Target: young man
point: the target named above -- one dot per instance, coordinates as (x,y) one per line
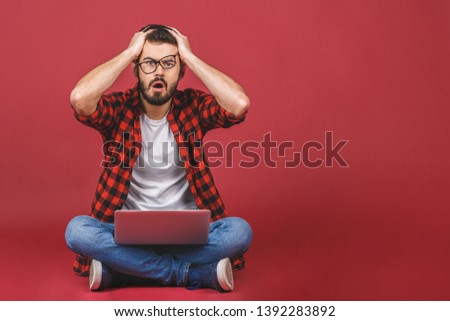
(143,121)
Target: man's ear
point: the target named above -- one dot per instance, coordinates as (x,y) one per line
(134,68)
(182,69)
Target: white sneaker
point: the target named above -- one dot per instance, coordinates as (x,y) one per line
(95,275)
(225,275)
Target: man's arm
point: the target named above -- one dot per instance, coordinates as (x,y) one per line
(228,93)
(90,88)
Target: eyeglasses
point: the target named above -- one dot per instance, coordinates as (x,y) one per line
(149,66)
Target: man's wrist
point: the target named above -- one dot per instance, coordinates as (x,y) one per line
(190,59)
(129,55)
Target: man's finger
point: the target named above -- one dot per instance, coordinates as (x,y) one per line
(176,35)
(174,30)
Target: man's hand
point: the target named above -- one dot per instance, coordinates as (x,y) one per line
(183,43)
(137,43)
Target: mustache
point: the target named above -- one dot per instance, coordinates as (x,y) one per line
(157,79)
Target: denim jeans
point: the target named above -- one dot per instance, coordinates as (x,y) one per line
(229,237)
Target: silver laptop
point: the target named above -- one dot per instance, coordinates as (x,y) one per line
(136,227)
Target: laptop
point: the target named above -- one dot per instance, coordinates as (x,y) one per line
(142,227)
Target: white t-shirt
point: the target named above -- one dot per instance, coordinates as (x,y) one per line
(158,179)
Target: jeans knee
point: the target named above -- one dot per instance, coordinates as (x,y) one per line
(74,231)
(243,232)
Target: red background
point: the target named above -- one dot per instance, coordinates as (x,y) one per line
(375,73)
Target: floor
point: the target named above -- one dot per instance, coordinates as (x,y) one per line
(305,265)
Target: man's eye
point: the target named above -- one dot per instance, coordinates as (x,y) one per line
(149,63)
(169,63)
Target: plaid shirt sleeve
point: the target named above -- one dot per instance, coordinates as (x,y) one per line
(104,117)
(212,115)
(104,120)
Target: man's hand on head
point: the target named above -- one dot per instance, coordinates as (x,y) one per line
(137,43)
(183,44)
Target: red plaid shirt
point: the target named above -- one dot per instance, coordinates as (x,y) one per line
(192,114)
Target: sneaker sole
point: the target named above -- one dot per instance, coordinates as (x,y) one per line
(225,275)
(95,275)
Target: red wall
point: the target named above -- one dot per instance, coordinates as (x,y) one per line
(375,73)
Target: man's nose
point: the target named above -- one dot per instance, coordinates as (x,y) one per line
(159,70)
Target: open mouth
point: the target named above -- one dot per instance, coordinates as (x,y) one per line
(158,85)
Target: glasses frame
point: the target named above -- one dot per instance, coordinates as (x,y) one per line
(158,62)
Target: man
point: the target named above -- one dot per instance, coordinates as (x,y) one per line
(155,112)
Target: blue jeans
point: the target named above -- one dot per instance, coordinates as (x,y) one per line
(229,237)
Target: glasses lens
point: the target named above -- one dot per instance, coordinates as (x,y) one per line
(168,62)
(148,66)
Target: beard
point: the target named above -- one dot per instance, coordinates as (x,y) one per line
(157,99)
